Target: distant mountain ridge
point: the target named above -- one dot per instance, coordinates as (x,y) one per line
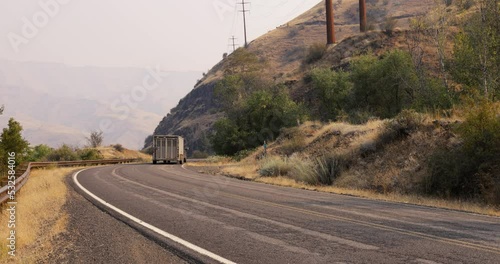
(59,104)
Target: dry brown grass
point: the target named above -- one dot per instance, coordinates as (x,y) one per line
(212,161)
(245,170)
(309,29)
(39,216)
(111,153)
(391,197)
(391,172)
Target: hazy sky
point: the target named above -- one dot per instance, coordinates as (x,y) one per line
(178,35)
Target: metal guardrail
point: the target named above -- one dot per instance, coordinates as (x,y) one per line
(23,178)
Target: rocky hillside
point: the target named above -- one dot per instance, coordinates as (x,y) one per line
(284,50)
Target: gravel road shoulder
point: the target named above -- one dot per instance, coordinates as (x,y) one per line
(94,236)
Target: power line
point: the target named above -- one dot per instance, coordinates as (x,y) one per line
(244,11)
(234,43)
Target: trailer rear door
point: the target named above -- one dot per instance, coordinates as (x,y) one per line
(172,148)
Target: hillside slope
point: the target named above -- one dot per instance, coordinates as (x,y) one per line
(284,50)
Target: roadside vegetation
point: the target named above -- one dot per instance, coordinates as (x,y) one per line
(39,222)
(255,108)
(11,141)
(418,121)
(40,217)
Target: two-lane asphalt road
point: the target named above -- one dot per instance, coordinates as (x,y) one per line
(218,219)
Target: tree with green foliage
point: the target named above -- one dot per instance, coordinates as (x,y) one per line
(89,154)
(39,153)
(431,92)
(471,169)
(383,87)
(332,89)
(476,55)
(259,117)
(230,91)
(12,140)
(228,139)
(63,153)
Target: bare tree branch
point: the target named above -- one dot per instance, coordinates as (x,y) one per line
(95,139)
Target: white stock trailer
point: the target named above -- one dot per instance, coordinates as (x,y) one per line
(168,148)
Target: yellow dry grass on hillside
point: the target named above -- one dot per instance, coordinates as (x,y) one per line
(39,216)
(401,160)
(111,153)
(391,197)
(247,170)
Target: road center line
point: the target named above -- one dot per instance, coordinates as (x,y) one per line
(325,236)
(368,224)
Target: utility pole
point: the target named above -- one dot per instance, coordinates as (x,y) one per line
(244,11)
(330,27)
(234,43)
(362,15)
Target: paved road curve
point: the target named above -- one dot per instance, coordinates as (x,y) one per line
(247,222)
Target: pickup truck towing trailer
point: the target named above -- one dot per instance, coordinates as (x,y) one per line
(168,148)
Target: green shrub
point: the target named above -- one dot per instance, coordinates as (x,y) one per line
(293,145)
(197,154)
(274,166)
(481,131)
(40,153)
(359,117)
(303,171)
(89,154)
(332,88)
(478,38)
(383,87)
(320,171)
(401,126)
(470,170)
(315,53)
(63,153)
(450,172)
(293,141)
(389,25)
(119,147)
(328,168)
(67,153)
(259,118)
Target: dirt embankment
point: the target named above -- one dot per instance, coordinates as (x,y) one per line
(386,160)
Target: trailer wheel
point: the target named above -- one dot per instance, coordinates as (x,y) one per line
(180,162)
(154,161)
(185,161)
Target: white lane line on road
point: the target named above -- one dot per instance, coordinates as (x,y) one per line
(151,227)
